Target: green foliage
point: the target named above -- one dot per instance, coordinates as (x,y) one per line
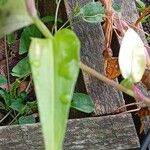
(16,101)
(148,38)
(32,31)
(13,16)
(26,120)
(13,99)
(31,107)
(25,40)
(55,67)
(48,19)
(82,102)
(141,5)
(5,96)
(2,80)
(22,69)
(17,104)
(10,39)
(92,12)
(54,63)
(2,2)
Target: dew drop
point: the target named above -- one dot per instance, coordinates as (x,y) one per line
(35,63)
(65,98)
(66,70)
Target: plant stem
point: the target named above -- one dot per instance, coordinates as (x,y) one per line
(7,64)
(56,15)
(5,116)
(15,118)
(64,25)
(144,14)
(105,79)
(42,27)
(101,77)
(28,86)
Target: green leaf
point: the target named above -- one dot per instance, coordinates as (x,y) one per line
(148,37)
(27,120)
(17,105)
(13,16)
(31,107)
(22,69)
(14,88)
(2,106)
(25,39)
(4,94)
(141,6)
(82,102)
(10,39)
(48,19)
(2,80)
(55,67)
(93,12)
(132,57)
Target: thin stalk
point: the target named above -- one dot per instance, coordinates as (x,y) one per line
(144,14)
(119,87)
(42,27)
(28,86)
(131,25)
(64,25)
(56,15)
(129,105)
(7,63)
(15,118)
(105,79)
(5,116)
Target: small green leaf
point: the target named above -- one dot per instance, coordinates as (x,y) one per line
(14,88)
(2,80)
(31,107)
(132,57)
(93,12)
(48,19)
(13,16)
(10,39)
(4,94)
(27,120)
(141,6)
(25,39)
(17,105)
(82,102)
(148,37)
(22,69)
(2,106)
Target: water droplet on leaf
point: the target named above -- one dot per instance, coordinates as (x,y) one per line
(65,98)
(35,63)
